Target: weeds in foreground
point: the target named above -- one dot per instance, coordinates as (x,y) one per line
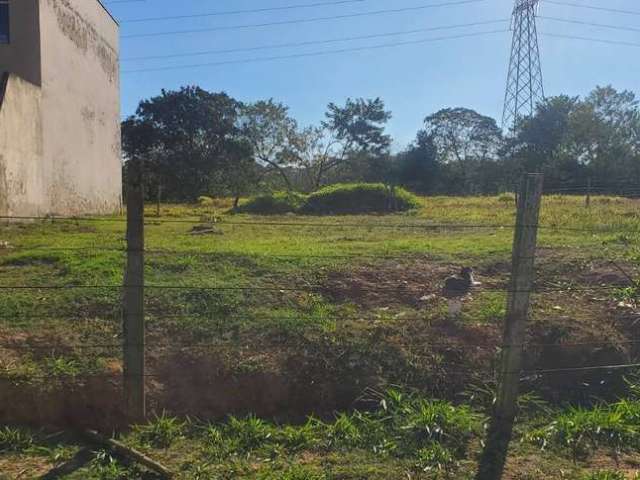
(161,432)
(15,440)
(434,435)
(295,472)
(435,457)
(582,431)
(609,475)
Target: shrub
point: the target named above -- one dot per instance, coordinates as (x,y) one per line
(507,197)
(359,198)
(273,203)
(205,201)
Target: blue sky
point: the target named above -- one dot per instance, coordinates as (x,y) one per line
(414,80)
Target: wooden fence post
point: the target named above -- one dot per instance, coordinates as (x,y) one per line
(522,276)
(159,200)
(133,299)
(588,192)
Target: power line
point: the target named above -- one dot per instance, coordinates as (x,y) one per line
(591,7)
(304,20)
(591,24)
(313,54)
(312,42)
(361,49)
(590,39)
(239,12)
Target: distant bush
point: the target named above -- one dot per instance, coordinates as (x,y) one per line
(205,201)
(355,198)
(507,197)
(358,198)
(273,203)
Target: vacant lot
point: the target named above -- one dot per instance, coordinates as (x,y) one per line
(288,316)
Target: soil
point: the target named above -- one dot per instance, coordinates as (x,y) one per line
(569,328)
(388,284)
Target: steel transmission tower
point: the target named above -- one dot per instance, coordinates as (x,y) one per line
(524,83)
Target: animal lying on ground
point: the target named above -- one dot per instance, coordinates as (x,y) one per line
(458,287)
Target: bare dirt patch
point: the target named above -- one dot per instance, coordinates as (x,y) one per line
(390,283)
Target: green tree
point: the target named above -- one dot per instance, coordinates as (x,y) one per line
(349,134)
(571,140)
(543,143)
(273,134)
(610,147)
(465,142)
(417,167)
(186,138)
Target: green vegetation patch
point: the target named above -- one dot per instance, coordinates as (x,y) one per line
(277,203)
(338,199)
(355,198)
(582,431)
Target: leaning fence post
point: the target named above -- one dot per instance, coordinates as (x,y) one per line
(522,275)
(133,299)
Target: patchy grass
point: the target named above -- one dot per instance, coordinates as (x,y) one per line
(582,431)
(295,315)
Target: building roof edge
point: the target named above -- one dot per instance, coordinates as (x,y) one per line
(108,12)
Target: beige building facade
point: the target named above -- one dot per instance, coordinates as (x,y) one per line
(59,108)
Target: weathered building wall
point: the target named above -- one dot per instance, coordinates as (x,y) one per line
(80,107)
(59,115)
(21,188)
(21,183)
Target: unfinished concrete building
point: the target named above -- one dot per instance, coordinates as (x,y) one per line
(59,108)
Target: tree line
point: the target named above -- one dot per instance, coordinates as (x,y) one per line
(194,142)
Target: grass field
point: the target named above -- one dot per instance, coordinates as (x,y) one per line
(286,317)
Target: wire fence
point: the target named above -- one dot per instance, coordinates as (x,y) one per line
(39,326)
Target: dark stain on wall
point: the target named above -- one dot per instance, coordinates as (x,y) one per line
(86,37)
